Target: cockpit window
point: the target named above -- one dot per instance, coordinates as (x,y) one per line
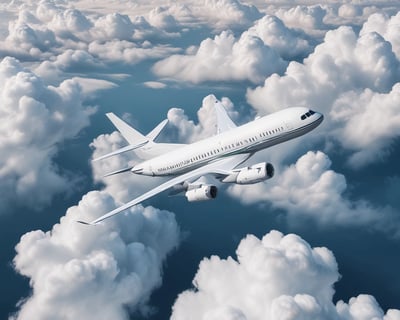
(307,114)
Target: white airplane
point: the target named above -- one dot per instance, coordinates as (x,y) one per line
(219,155)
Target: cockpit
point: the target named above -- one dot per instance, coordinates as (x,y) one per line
(307,114)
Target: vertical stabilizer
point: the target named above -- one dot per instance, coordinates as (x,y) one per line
(131,135)
(224,122)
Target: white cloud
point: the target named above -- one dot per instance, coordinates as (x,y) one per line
(272,31)
(368,123)
(308,18)
(277,277)
(344,63)
(223,59)
(161,18)
(309,188)
(102,272)
(223,14)
(387,27)
(35,118)
(155,84)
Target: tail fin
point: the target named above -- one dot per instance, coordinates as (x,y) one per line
(131,135)
(137,140)
(224,122)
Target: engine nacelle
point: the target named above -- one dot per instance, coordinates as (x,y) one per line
(201,193)
(256,173)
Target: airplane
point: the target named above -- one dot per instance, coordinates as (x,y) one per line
(219,156)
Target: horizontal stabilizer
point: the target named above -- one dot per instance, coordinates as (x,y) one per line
(121,150)
(153,134)
(118,171)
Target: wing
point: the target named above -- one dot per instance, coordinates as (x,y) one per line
(225,123)
(222,166)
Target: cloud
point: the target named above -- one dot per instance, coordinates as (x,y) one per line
(310,189)
(276,277)
(224,14)
(307,18)
(273,32)
(161,18)
(223,59)
(103,272)
(344,64)
(155,84)
(387,27)
(35,119)
(377,114)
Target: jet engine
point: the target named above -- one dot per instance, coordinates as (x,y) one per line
(201,193)
(253,174)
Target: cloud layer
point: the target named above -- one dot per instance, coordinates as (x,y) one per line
(103,272)
(276,277)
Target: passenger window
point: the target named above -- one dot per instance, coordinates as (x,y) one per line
(303,117)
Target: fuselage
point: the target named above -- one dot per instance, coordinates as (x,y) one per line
(251,137)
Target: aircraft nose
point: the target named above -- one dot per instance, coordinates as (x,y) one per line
(320,118)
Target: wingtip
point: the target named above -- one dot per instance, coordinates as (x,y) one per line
(85,223)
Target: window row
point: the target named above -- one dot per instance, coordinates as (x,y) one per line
(218,150)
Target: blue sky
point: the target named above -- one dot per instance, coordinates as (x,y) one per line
(320,240)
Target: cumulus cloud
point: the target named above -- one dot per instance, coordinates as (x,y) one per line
(35,118)
(225,14)
(310,188)
(223,58)
(276,277)
(343,64)
(307,18)
(371,123)
(103,272)
(387,27)
(273,32)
